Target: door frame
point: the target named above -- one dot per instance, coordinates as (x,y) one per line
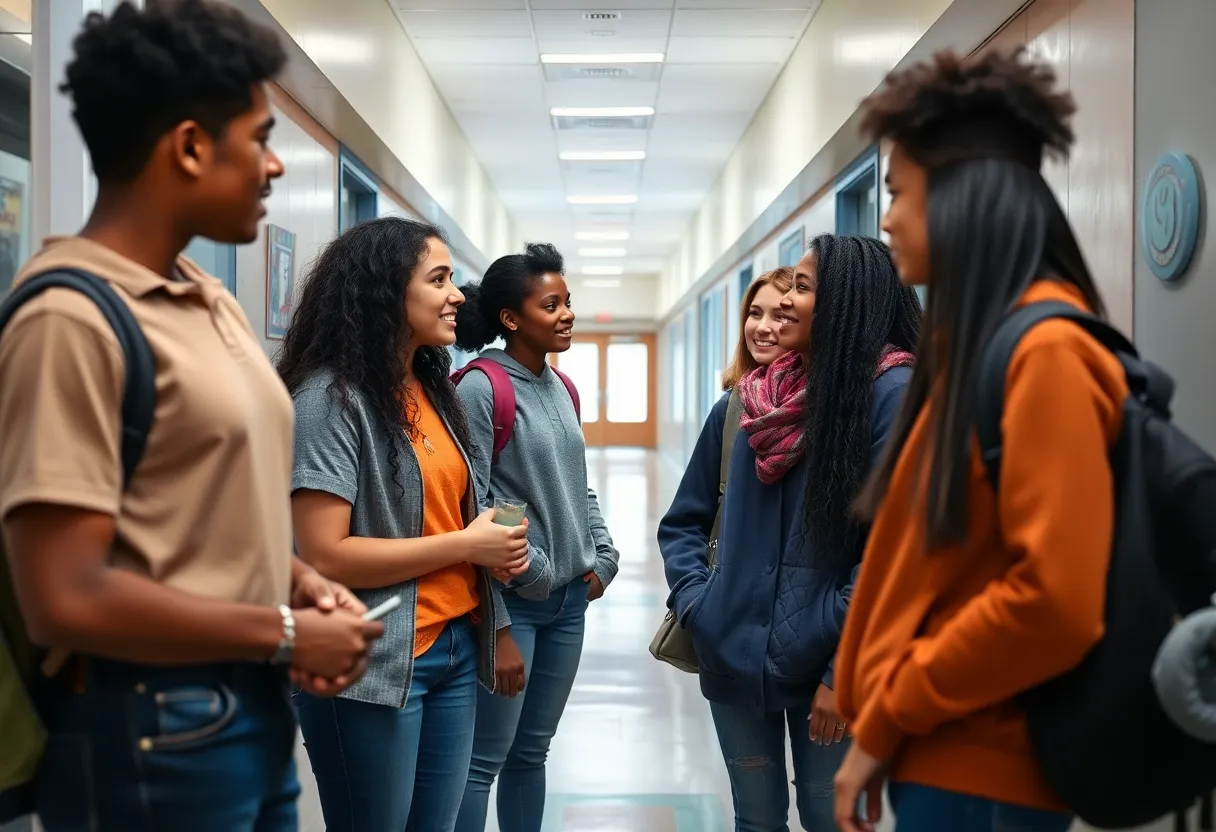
(601,433)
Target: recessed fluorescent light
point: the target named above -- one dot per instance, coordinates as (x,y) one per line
(603,58)
(601,112)
(608,270)
(601,236)
(602,284)
(602,252)
(611,199)
(603,156)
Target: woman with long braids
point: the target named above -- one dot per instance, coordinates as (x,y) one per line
(966,597)
(766,617)
(382,499)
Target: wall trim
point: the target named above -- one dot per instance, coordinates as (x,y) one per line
(964,24)
(312,90)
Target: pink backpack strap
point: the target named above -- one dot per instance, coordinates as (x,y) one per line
(503,414)
(572,390)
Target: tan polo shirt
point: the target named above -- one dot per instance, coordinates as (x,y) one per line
(207,510)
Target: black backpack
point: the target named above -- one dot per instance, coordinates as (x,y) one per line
(21,697)
(1105,745)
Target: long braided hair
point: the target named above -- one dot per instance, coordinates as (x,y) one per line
(860,307)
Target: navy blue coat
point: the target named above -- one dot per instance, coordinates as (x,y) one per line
(765,622)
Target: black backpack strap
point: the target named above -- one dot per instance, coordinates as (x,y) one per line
(994,366)
(139,391)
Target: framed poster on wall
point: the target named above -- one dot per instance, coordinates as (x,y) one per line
(789,252)
(280,279)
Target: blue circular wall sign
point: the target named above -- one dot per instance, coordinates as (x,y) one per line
(1169,217)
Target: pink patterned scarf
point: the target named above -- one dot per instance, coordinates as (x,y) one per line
(774,406)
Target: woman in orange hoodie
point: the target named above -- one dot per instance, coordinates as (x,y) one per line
(967,598)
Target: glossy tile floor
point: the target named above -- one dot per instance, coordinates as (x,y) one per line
(636,751)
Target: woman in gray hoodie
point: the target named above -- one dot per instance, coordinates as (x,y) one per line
(523,299)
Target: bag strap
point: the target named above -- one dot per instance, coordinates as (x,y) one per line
(734,410)
(503,413)
(572,390)
(994,367)
(139,387)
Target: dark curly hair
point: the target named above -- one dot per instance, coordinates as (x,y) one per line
(138,73)
(860,307)
(350,320)
(980,127)
(505,285)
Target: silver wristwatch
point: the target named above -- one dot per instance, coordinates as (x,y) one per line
(287,644)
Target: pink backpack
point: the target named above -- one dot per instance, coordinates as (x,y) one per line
(504,398)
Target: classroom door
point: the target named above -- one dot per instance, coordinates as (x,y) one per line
(615,377)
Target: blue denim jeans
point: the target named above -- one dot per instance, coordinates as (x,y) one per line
(380,768)
(754,749)
(513,734)
(925,809)
(140,749)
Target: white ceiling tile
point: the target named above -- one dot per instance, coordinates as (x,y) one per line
(585,44)
(600,94)
(551,25)
(729,50)
(466,24)
(693,88)
(739,23)
(600,5)
(457,5)
(748,5)
(437,51)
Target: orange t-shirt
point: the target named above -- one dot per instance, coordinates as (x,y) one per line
(937,644)
(450,592)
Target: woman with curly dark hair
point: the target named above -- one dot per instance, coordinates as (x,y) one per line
(968,598)
(383,498)
(765,617)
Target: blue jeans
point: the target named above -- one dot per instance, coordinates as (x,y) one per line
(140,749)
(384,769)
(754,748)
(925,809)
(513,734)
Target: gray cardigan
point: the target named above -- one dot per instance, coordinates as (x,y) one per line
(545,464)
(345,453)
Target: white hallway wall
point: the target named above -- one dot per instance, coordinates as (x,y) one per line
(846,51)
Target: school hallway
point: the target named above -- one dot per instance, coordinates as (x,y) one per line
(636,750)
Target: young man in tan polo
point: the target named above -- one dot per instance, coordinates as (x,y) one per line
(174,595)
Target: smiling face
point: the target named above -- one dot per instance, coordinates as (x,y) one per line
(798,307)
(545,321)
(907,219)
(764,320)
(431,299)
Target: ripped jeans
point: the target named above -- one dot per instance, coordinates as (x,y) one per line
(754,749)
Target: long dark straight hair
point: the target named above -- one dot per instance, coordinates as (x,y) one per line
(860,307)
(994,228)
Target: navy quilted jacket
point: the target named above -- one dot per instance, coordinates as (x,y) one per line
(764,621)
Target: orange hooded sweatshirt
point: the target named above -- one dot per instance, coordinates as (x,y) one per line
(937,644)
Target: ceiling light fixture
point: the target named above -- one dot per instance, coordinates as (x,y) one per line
(603,270)
(604,199)
(601,284)
(601,112)
(604,58)
(602,155)
(601,236)
(602,252)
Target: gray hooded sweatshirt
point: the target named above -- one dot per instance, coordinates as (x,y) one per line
(545,465)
